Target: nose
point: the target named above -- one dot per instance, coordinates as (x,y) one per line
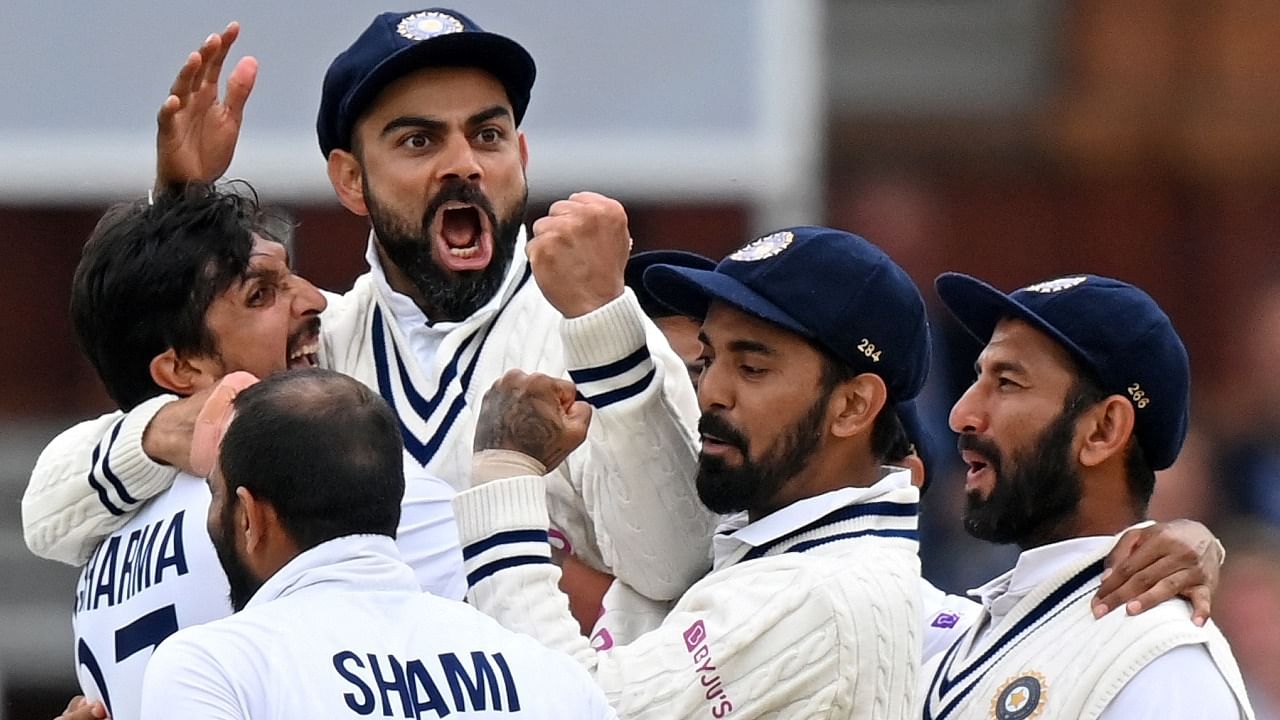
(307,300)
(714,390)
(458,160)
(966,414)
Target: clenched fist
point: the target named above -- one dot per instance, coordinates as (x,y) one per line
(537,415)
(579,251)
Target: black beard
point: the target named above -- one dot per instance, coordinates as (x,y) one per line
(753,484)
(1041,491)
(449,296)
(239,578)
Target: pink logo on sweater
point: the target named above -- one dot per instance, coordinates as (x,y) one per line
(559,541)
(694,636)
(695,641)
(602,640)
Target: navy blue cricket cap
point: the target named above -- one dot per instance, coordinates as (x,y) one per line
(829,286)
(1113,329)
(641,261)
(398,43)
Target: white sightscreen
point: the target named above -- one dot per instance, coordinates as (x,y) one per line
(662,99)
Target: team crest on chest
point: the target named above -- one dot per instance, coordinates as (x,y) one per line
(424,25)
(1021,698)
(765,247)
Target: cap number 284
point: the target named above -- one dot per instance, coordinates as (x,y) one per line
(869,349)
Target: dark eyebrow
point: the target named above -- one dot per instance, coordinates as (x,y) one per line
(741,346)
(413,121)
(1000,366)
(751,346)
(433,125)
(256,273)
(497,111)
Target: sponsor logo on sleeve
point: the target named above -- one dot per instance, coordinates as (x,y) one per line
(695,641)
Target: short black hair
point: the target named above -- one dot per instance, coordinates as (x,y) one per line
(889,441)
(1086,390)
(148,273)
(323,449)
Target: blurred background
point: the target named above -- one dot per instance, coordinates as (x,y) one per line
(1017,140)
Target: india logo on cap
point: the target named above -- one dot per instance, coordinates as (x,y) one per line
(1058,285)
(765,247)
(426,25)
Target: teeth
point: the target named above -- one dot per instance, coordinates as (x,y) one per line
(308,349)
(465,252)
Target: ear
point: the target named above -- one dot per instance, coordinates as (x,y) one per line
(855,404)
(524,151)
(347,181)
(1106,430)
(179,375)
(260,522)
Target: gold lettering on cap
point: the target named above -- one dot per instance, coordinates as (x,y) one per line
(868,348)
(1138,395)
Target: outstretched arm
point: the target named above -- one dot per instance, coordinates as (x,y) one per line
(1155,563)
(196,130)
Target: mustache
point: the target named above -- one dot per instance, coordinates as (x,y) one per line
(717,426)
(459,191)
(309,328)
(978,444)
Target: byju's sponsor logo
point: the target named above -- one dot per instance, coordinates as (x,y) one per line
(695,641)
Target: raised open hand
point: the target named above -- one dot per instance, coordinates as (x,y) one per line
(196,130)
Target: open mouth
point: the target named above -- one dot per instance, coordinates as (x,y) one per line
(304,347)
(463,236)
(304,357)
(712,445)
(979,472)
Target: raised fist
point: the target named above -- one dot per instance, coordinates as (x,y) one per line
(579,251)
(537,415)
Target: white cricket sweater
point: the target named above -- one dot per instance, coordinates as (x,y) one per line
(816,618)
(1048,657)
(625,500)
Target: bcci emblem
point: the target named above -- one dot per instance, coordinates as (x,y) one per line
(764,248)
(426,25)
(1053,286)
(1021,698)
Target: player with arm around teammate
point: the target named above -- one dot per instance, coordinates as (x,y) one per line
(329,620)
(812,608)
(419,123)
(168,297)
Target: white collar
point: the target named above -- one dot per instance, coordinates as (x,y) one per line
(351,562)
(1037,565)
(406,312)
(736,531)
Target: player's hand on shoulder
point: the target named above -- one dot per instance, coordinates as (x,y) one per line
(81,709)
(579,251)
(534,414)
(1152,564)
(167,438)
(196,130)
